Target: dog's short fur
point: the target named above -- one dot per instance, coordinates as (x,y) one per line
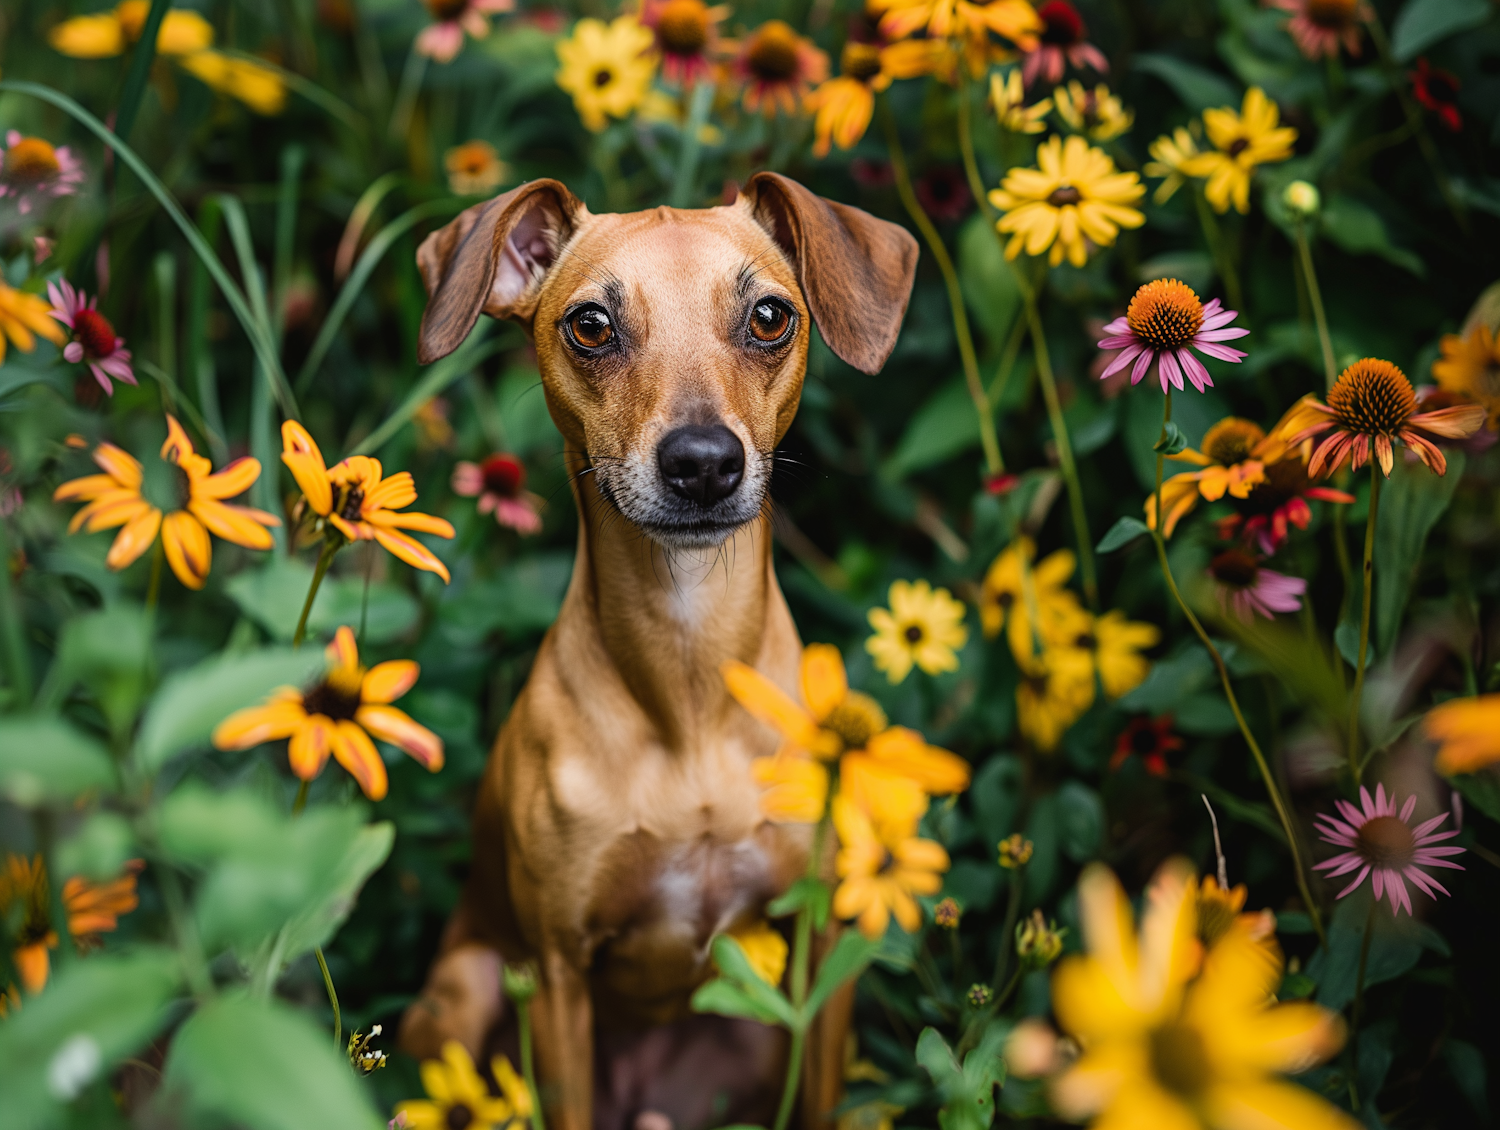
(617,827)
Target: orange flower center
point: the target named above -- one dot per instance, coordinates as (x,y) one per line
(31,161)
(1230,441)
(471,159)
(94,333)
(1179,1059)
(1235,568)
(860,61)
(445,11)
(772,56)
(1386,841)
(1372,397)
(1334,15)
(682,26)
(1165,314)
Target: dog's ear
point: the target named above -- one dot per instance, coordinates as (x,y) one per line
(855,271)
(491,259)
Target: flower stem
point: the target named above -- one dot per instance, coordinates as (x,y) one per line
(1359,1004)
(300,802)
(1282,813)
(333,999)
(1215,236)
(1330,370)
(994,463)
(686,175)
(13,629)
(801,955)
(153,586)
(331,545)
(1368,576)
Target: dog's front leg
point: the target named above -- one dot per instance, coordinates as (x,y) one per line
(563,1017)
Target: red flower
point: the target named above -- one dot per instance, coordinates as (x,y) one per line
(1438,91)
(1149,738)
(499,484)
(1064,41)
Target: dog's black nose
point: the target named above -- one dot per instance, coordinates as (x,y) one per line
(702,463)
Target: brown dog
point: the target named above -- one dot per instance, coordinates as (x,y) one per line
(618,828)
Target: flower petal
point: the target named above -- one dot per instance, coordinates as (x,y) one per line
(353,749)
(397,727)
(386,682)
(413,552)
(187,547)
(134,539)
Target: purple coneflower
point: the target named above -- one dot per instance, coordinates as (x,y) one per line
(1245,587)
(94,338)
(1163,320)
(1064,41)
(443,39)
(499,484)
(1381,842)
(31,167)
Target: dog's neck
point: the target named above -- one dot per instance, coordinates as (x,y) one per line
(668,620)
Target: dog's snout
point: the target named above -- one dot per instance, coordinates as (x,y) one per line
(702,463)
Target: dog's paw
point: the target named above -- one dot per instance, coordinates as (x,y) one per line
(651,1120)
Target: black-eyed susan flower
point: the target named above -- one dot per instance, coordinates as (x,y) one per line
(1150,739)
(1242,141)
(687,36)
(443,38)
(1163,324)
(92,909)
(1029,601)
(1221,911)
(1467,731)
(1381,844)
(1064,42)
(765,949)
(1097,113)
(1173,1037)
(880,874)
(32,167)
(107,34)
(962,29)
(607,68)
(474,169)
(338,716)
(94,339)
(1321,27)
(357,500)
(844,105)
(1371,408)
(1008,97)
(1114,645)
(184,506)
(1169,153)
(778,68)
(458,1097)
(923,627)
(1470,366)
(258,86)
(1055,690)
(1073,201)
(25,317)
(1228,467)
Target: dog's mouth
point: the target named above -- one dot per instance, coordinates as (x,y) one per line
(643,497)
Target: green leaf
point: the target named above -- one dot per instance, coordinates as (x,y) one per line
(1466,1063)
(524,597)
(43,759)
(1481,789)
(1424,22)
(988,282)
(94,1014)
(996,796)
(317,924)
(1358,229)
(844,962)
(110,653)
(968,1092)
(727,999)
(272,596)
(191,703)
(98,849)
(262,1066)
(1121,534)
(1395,946)
(1411,502)
(946,425)
(1081,821)
(805,892)
(1199,89)
(735,966)
(1172,442)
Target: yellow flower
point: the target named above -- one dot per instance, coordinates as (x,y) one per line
(765,949)
(106,34)
(474,169)
(355,499)
(794,788)
(1096,112)
(1470,366)
(880,876)
(1015,851)
(1073,200)
(1029,601)
(1171,153)
(1467,731)
(192,493)
(24,316)
(1241,142)
(1231,462)
(457,1096)
(835,717)
(1163,1049)
(1220,911)
(607,68)
(1008,96)
(967,27)
(92,909)
(844,105)
(1055,689)
(923,626)
(1114,644)
(338,716)
(258,86)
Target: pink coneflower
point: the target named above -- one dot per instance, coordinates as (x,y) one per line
(1320,27)
(1064,42)
(499,484)
(779,69)
(32,167)
(1245,587)
(687,35)
(1163,320)
(1381,842)
(94,338)
(443,39)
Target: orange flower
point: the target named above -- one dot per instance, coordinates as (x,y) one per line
(339,715)
(356,499)
(881,870)
(93,909)
(193,496)
(845,105)
(779,68)
(1467,731)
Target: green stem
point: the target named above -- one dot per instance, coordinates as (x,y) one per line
(528,1066)
(153,586)
(333,998)
(793,1072)
(1007,932)
(1330,370)
(1368,576)
(300,802)
(185,931)
(1356,1013)
(140,69)
(331,545)
(13,630)
(406,94)
(685,178)
(994,463)
(1282,813)
(801,956)
(1215,236)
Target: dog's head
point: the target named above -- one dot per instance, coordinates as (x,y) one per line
(672,343)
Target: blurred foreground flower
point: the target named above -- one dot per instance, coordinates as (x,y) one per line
(1470,366)
(607,68)
(25,317)
(106,34)
(1467,731)
(1220,912)
(687,36)
(1008,97)
(1170,153)
(1242,140)
(338,716)
(1029,600)
(880,873)
(1245,587)
(1437,90)
(1321,27)
(845,105)
(765,949)
(94,340)
(960,31)
(256,85)
(1169,1046)
(1097,113)
(474,169)
(31,167)
(779,68)
(357,500)
(92,909)
(458,1097)
(923,626)
(443,39)
(499,483)
(191,493)
(1064,43)
(1381,843)
(1164,323)
(1075,200)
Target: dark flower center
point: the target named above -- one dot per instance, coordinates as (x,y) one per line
(30,161)
(503,475)
(1235,568)
(1238,146)
(603,76)
(335,697)
(856,720)
(1179,1059)
(1005,599)
(1373,397)
(1230,441)
(1063,195)
(1215,917)
(348,507)
(772,56)
(860,61)
(94,333)
(459,1117)
(1085,641)
(1284,481)
(914,634)
(682,27)
(1165,314)
(446,10)
(1143,741)
(1333,15)
(1441,88)
(1064,26)
(1386,841)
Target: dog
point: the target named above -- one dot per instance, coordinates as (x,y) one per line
(617,829)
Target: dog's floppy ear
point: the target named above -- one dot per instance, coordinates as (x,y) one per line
(491,259)
(855,271)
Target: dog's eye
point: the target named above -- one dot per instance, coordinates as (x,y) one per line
(591,327)
(770,320)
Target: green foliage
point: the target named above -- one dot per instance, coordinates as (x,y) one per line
(968,1092)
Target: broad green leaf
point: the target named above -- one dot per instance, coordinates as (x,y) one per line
(1199,89)
(1422,23)
(1081,821)
(262,1066)
(94,1014)
(109,652)
(316,925)
(1411,502)
(968,1092)
(943,427)
(996,796)
(1122,533)
(1466,1063)
(1358,229)
(521,598)
(98,849)
(805,892)
(184,712)
(1395,946)
(1171,681)
(1481,789)
(273,595)
(1173,442)
(727,999)
(847,960)
(988,282)
(43,759)
(735,966)
(936,1057)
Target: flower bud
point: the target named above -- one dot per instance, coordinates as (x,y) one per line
(1038,943)
(978,995)
(520,982)
(946,914)
(1015,852)
(1301,199)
